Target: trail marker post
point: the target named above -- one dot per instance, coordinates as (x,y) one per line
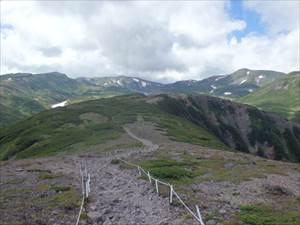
(149,176)
(171,194)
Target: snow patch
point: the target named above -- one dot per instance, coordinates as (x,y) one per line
(144,84)
(61,104)
(259,78)
(248,72)
(9,79)
(227,93)
(136,80)
(250,90)
(243,81)
(119,83)
(219,78)
(213,87)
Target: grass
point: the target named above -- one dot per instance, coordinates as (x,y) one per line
(61,130)
(267,215)
(45,174)
(169,170)
(182,130)
(115,161)
(59,188)
(64,197)
(274,97)
(187,169)
(67,200)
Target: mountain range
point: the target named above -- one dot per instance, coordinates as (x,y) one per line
(209,138)
(24,94)
(281,97)
(198,119)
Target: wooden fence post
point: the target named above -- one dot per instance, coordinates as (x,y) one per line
(87,188)
(149,176)
(89,181)
(139,171)
(82,181)
(156,186)
(171,194)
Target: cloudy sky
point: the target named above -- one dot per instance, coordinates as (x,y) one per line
(162,41)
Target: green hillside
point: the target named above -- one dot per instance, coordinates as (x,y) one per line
(91,123)
(202,120)
(281,97)
(24,94)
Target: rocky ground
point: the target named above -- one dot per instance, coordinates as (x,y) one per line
(47,190)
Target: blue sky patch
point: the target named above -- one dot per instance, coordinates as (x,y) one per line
(254,25)
(6,27)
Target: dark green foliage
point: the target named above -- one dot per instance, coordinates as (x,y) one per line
(239,142)
(265,215)
(169,170)
(265,131)
(115,161)
(293,143)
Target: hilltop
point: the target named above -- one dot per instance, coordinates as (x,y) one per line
(281,96)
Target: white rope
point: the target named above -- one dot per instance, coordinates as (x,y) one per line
(86,188)
(172,191)
(188,209)
(79,214)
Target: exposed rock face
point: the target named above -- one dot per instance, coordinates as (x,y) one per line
(239,126)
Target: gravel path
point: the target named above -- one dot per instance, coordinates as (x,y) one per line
(119,197)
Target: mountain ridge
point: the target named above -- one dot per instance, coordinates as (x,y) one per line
(23,94)
(197,119)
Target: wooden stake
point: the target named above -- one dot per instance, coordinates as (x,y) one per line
(171,194)
(149,176)
(156,186)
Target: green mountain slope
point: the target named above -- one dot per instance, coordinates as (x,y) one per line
(24,94)
(90,123)
(239,126)
(185,118)
(281,97)
(239,83)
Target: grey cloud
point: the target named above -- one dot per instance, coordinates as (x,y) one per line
(139,46)
(51,51)
(155,40)
(71,8)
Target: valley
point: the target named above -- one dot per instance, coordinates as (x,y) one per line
(239,164)
(230,188)
(149,112)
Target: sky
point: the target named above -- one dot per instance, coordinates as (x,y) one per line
(162,41)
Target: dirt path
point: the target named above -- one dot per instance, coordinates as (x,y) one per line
(149,145)
(119,197)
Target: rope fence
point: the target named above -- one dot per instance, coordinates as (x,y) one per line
(85,188)
(141,171)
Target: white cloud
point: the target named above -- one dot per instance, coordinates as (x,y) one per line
(279,16)
(158,40)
